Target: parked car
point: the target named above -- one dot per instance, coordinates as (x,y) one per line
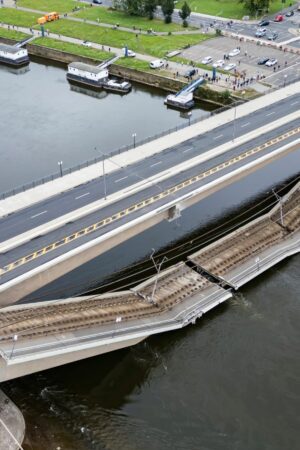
(271,62)
(260,32)
(190,73)
(97,2)
(262,61)
(207,60)
(219,63)
(157,64)
(229,67)
(264,23)
(289,13)
(272,36)
(86,44)
(130,53)
(234,52)
(278,18)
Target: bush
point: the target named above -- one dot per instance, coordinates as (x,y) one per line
(185,24)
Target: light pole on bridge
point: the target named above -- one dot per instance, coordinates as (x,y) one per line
(60,163)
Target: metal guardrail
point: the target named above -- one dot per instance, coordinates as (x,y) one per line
(118,151)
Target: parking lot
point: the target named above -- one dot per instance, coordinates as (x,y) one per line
(288,64)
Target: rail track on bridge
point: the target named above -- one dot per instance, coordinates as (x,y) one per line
(174,285)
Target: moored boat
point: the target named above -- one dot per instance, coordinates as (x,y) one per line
(13,56)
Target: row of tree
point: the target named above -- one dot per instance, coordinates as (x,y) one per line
(255,6)
(147,8)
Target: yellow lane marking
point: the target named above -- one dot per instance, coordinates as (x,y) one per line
(143,203)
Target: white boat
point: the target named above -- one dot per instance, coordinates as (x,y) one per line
(95,77)
(13,56)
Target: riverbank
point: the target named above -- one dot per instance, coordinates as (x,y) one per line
(163,81)
(12,425)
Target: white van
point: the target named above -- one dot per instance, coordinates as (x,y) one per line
(157,64)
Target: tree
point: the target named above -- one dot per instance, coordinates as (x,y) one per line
(167,7)
(253,6)
(149,8)
(185,13)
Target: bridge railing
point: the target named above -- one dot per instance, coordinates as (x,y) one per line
(118,151)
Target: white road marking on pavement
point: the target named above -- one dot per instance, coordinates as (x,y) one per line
(156,164)
(82,195)
(39,214)
(188,150)
(273,112)
(218,137)
(245,124)
(295,103)
(120,179)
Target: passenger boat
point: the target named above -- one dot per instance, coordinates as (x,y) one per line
(95,77)
(13,56)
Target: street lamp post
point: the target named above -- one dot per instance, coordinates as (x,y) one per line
(158,269)
(189,117)
(280,206)
(60,163)
(285,77)
(257,260)
(134,136)
(104,178)
(15,338)
(234,126)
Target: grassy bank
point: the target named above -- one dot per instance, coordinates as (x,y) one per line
(232,9)
(125,20)
(60,6)
(18,18)
(79,50)
(153,45)
(12,34)
(73,48)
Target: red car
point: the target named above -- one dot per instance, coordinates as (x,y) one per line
(278,18)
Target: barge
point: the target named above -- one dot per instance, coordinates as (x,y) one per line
(95,77)
(13,56)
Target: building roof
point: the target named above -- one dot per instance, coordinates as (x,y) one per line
(86,67)
(9,48)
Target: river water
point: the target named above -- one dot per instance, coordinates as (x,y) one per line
(231,381)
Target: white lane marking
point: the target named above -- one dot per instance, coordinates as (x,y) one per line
(188,150)
(82,195)
(156,164)
(218,137)
(245,124)
(273,112)
(295,103)
(39,214)
(120,179)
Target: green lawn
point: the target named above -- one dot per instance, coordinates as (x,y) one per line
(232,9)
(18,18)
(113,17)
(12,34)
(152,45)
(60,6)
(73,48)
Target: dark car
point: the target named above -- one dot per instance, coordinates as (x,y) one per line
(289,14)
(264,23)
(262,61)
(272,36)
(190,73)
(98,2)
